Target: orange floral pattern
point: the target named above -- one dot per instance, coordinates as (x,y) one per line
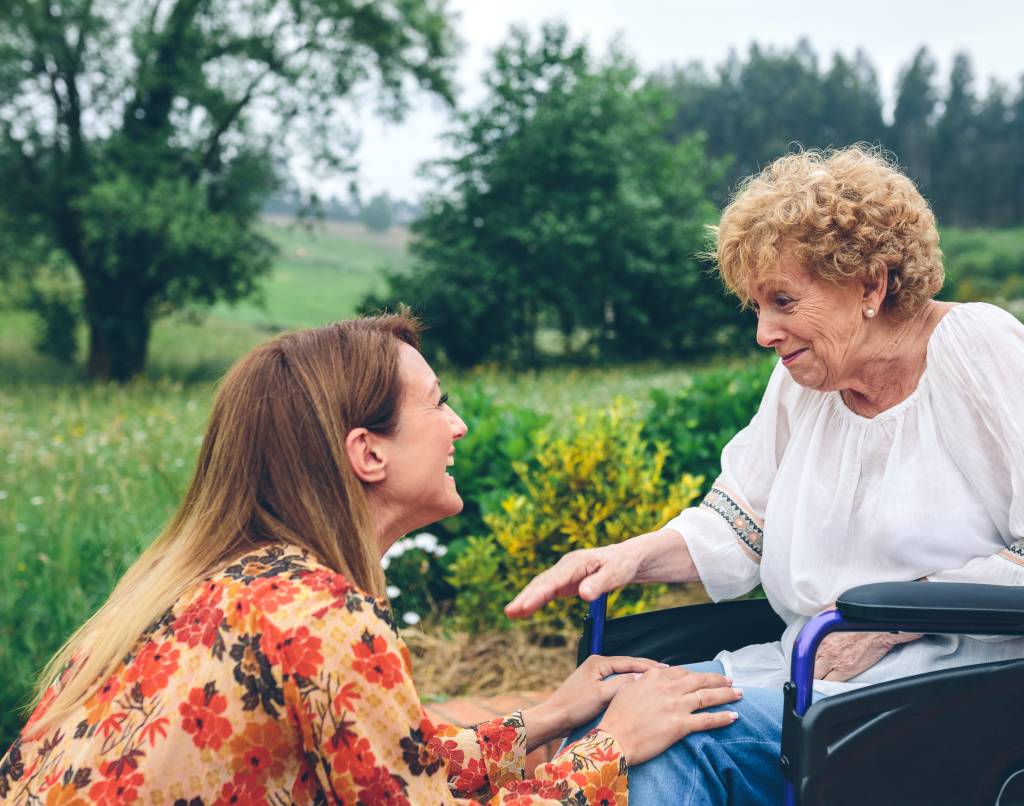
(278,681)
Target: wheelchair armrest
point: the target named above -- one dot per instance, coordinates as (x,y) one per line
(946,606)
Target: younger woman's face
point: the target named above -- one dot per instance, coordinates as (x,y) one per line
(419,489)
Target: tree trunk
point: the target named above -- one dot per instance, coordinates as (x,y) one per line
(118,342)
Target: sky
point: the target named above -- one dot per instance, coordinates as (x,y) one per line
(660,34)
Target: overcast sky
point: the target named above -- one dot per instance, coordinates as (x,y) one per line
(663,33)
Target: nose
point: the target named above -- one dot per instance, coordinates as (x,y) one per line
(768,332)
(459,427)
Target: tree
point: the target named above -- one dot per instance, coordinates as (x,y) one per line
(377,214)
(566,207)
(141,137)
(913,117)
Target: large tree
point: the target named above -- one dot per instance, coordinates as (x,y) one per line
(141,136)
(567,208)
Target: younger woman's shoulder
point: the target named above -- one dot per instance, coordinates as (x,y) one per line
(287,587)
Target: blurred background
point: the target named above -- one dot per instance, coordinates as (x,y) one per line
(182,179)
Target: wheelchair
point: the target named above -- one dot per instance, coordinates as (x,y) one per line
(952,737)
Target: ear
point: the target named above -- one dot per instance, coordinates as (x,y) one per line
(366,455)
(875,286)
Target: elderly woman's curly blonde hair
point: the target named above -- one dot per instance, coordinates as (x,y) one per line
(842,214)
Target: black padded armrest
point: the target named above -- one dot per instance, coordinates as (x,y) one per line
(946,605)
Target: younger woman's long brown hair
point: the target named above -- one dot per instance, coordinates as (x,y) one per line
(272,467)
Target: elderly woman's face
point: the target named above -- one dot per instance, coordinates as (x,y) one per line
(816,327)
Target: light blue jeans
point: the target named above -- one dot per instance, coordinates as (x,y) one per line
(737,765)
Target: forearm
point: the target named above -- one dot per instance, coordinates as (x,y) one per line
(543,723)
(664,557)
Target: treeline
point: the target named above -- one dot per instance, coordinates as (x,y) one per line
(964,146)
(571,219)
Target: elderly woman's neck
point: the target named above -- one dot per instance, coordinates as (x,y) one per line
(894,361)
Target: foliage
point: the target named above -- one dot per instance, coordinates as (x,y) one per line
(497,437)
(415,568)
(141,139)
(964,149)
(595,482)
(566,208)
(696,422)
(376,215)
(984,264)
(478,577)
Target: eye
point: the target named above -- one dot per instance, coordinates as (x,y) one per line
(443,400)
(783,301)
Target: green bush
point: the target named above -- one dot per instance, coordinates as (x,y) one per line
(696,422)
(597,483)
(985,265)
(498,436)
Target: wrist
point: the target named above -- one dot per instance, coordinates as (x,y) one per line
(545,722)
(663,557)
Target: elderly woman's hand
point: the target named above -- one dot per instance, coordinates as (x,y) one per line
(660,556)
(843,655)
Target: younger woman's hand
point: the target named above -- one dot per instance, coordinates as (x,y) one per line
(582,696)
(652,712)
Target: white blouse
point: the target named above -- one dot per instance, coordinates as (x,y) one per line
(814,499)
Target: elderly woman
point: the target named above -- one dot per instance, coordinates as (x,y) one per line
(249,656)
(889,446)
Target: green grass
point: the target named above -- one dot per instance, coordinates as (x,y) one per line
(320,274)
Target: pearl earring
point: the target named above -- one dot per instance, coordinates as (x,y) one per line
(869,312)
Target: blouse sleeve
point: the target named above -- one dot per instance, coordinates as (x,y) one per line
(368,740)
(976,372)
(724,533)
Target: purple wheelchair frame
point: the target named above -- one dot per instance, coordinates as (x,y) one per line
(806,646)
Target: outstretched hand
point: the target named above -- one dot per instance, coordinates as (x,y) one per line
(586,573)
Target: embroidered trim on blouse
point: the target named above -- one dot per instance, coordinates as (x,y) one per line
(1015,553)
(744,527)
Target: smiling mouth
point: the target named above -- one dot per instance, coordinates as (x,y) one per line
(793,356)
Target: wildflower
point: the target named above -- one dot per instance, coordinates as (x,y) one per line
(425,541)
(393,591)
(411,618)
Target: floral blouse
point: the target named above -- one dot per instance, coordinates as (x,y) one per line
(277,681)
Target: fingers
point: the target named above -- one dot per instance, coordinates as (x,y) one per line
(710,697)
(696,681)
(621,664)
(601,581)
(561,579)
(709,720)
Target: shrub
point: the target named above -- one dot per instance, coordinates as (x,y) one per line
(598,483)
(478,574)
(697,421)
(498,436)
(415,569)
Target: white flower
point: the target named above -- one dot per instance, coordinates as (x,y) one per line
(425,541)
(440,551)
(393,591)
(411,618)
(36,500)
(385,561)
